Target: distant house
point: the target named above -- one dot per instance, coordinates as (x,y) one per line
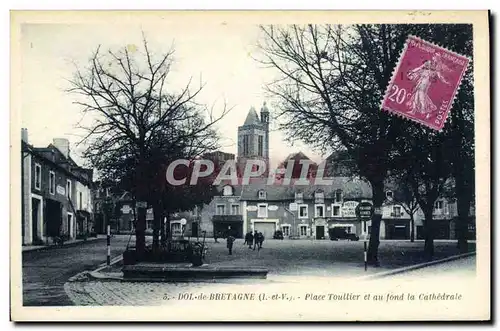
(301,211)
(56,193)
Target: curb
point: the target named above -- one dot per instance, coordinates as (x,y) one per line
(415,267)
(71,244)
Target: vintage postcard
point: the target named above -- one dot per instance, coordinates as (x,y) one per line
(250,166)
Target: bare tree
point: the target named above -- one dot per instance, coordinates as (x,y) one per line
(331,80)
(404,195)
(139,122)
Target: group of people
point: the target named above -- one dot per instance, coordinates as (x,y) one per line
(255,239)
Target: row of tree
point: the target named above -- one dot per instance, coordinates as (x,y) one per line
(329,86)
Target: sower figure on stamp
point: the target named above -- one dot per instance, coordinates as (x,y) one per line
(424,75)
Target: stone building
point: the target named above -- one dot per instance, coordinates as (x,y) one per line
(56,193)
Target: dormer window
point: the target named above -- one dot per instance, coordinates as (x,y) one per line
(319,197)
(262,194)
(338,196)
(227,190)
(299,196)
(389,195)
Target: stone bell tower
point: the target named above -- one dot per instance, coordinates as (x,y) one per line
(253,138)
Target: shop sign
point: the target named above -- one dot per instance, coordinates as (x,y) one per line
(349,208)
(60,189)
(364,210)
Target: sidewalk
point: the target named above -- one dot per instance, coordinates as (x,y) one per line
(66,244)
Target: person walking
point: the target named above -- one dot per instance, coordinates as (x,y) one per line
(261,240)
(215,236)
(255,239)
(230,241)
(249,239)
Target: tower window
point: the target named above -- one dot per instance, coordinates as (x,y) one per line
(261,146)
(246,145)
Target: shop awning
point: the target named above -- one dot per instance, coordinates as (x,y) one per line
(341,225)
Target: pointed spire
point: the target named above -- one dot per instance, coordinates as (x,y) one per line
(252,117)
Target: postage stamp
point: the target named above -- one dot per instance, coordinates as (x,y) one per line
(425,83)
(224,166)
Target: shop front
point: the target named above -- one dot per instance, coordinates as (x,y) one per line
(397,229)
(228,224)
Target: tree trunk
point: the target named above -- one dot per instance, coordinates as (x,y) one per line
(429,233)
(163,237)
(140,233)
(412,230)
(378,199)
(157,214)
(461,226)
(463,207)
(168,234)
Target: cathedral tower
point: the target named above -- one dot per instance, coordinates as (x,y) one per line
(253,138)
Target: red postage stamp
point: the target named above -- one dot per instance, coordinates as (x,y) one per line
(425,83)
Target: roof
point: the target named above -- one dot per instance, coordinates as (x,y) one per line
(252,117)
(56,158)
(351,189)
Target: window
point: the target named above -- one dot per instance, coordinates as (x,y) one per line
(338,196)
(286,230)
(69,190)
(303,211)
(262,194)
(319,197)
(262,210)
(336,211)
(235,209)
(319,211)
(438,205)
(299,196)
(221,210)
(108,192)
(176,229)
(52,182)
(396,210)
(228,190)
(97,193)
(388,194)
(38,176)
(303,230)
(246,144)
(260,146)
(80,200)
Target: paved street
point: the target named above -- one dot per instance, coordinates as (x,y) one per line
(289,262)
(461,269)
(46,271)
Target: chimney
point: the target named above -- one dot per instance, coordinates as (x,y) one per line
(24,135)
(62,144)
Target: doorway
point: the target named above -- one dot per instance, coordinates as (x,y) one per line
(194,229)
(70,225)
(320,232)
(35,218)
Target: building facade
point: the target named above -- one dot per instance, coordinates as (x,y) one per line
(56,193)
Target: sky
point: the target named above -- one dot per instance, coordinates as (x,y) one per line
(219,54)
